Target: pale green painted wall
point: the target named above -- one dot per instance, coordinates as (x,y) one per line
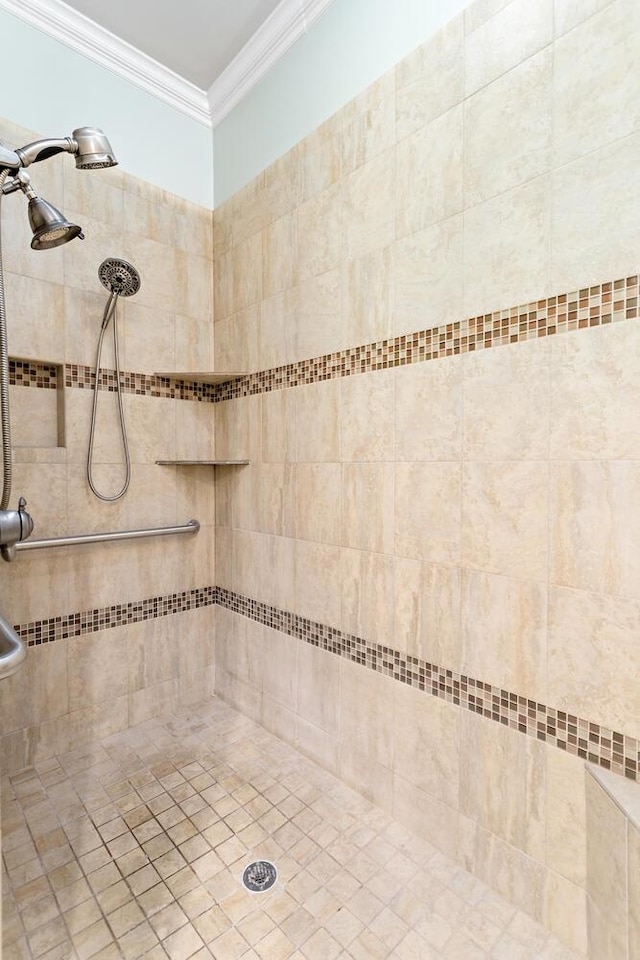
(49,88)
(351,45)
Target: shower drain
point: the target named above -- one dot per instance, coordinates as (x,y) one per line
(259,876)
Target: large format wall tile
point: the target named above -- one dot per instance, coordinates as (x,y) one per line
(596,85)
(367,506)
(237,343)
(319,688)
(365,722)
(570,13)
(566,833)
(317,581)
(369,206)
(506,248)
(514,32)
(600,238)
(368,297)
(505,518)
(368,595)
(427,272)
(367,417)
(592,647)
(431,79)
(565,912)
(317,422)
(416,721)
(318,498)
(320,158)
(594,382)
(320,325)
(491,755)
(504,632)
(319,233)
(506,403)
(427,511)
(428,410)
(35,318)
(429,173)
(427,611)
(280,268)
(595,539)
(369,123)
(509,121)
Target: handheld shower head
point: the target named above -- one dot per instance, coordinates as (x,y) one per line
(89,144)
(93,149)
(119,277)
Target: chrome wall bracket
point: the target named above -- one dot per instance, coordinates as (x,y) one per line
(15,526)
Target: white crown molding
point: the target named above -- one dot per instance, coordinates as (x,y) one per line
(289,21)
(80,33)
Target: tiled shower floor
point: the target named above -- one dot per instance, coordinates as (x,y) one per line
(134,847)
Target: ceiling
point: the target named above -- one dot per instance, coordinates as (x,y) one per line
(196,39)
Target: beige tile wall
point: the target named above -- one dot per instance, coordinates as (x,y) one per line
(476,511)
(74,689)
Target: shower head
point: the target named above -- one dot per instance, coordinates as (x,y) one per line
(50,227)
(119,277)
(89,144)
(93,149)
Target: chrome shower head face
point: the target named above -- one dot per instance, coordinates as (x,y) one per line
(119,277)
(93,149)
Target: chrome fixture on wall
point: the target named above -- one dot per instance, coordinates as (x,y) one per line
(121,280)
(50,228)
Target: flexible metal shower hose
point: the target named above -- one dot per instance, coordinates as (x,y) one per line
(4,379)
(109,312)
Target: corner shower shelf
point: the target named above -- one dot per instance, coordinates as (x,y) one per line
(202,463)
(195,376)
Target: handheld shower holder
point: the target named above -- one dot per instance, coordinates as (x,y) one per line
(15,526)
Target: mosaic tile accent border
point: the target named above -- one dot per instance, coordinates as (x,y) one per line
(23,373)
(607,748)
(103,618)
(27,374)
(140,384)
(592,306)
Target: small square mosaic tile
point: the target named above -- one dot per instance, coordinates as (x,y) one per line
(135,847)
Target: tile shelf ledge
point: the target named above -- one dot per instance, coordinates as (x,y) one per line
(202,463)
(202,376)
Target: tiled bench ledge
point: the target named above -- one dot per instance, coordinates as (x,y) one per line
(613,866)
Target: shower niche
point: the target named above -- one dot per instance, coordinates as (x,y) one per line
(37,409)
(209,378)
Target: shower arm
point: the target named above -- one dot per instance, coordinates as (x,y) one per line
(13,160)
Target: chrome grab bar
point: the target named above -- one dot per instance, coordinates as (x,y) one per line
(191,527)
(12,649)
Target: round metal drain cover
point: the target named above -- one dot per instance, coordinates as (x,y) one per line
(259,876)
